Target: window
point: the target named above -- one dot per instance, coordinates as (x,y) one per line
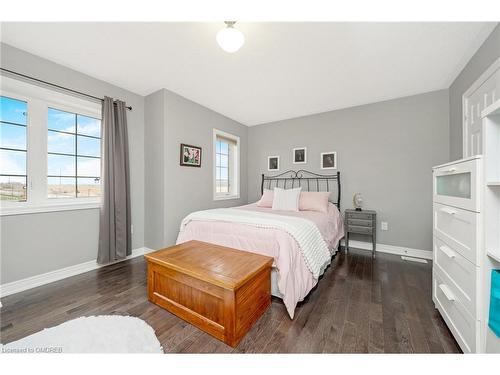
(74,155)
(13,149)
(226,165)
(50,150)
(222,165)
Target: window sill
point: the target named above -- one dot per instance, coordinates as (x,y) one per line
(26,209)
(226,197)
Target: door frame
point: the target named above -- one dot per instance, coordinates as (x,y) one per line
(492,69)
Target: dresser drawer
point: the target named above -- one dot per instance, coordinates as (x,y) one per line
(458,228)
(457,184)
(460,322)
(360,222)
(360,215)
(358,229)
(461,272)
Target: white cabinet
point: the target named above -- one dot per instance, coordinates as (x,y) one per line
(491,213)
(466,220)
(457,248)
(466,244)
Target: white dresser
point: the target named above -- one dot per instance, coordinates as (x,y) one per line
(466,220)
(457,242)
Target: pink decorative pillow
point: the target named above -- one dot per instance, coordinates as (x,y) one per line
(314,201)
(267,199)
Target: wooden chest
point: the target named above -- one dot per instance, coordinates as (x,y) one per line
(220,290)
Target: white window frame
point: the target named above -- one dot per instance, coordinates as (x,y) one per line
(38,100)
(234,167)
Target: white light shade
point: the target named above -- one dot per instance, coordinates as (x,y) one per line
(230,39)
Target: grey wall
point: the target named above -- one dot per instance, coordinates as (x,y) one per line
(482,59)
(40,243)
(178,120)
(154,170)
(385,151)
(45,242)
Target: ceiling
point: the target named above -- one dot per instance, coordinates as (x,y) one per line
(284,70)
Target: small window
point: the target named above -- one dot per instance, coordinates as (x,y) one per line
(222,166)
(13,149)
(226,165)
(74,155)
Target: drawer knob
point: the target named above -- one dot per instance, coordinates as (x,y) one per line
(447,292)
(448,211)
(449,252)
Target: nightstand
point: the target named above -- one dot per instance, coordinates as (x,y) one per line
(361,222)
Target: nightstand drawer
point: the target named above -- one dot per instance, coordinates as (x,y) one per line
(360,222)
(359,215)
(358,229)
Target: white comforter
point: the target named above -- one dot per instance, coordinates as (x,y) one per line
(313,247)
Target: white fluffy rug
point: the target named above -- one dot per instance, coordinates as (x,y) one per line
(94,334)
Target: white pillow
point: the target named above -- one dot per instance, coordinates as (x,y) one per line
(286,199)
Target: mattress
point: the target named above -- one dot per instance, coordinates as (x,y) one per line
(291,278)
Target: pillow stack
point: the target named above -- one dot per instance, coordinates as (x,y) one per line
(294,200)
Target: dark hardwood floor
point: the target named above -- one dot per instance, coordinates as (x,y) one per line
(359,306)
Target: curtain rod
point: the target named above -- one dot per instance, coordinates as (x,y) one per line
(54,85)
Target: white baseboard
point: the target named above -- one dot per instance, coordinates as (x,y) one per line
(391,249)
(49,277)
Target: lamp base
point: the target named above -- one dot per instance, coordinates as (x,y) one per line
(358,209)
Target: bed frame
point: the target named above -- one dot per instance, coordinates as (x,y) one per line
(309,181)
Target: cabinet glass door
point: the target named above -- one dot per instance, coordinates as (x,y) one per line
(454,185)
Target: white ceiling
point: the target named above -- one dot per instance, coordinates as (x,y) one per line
(284,70)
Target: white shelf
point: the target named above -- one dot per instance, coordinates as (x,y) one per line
(491,110)
(493,256)
(493,183)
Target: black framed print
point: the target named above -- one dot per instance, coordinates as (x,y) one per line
(329,160)
(273,163)
(190,156)
(300,155)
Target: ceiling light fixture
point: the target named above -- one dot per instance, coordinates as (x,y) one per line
(229,38)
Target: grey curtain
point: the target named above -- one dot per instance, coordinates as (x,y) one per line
(115,239)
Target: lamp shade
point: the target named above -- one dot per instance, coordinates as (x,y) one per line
(230,39)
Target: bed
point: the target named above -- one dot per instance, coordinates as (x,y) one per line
(296,240)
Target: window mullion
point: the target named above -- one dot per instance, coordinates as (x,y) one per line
(228,169)
(76,156)
(233,168)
